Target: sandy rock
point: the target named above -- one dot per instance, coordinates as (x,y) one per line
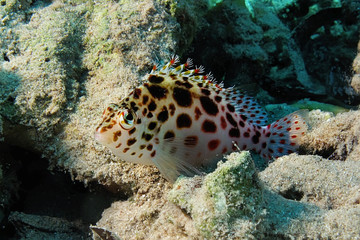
(337,137)
(67,62)
(233,203)
(326,183)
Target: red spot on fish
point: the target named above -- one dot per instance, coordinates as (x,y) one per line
(293,136)
(223,122)
(288,129)
(280,150)
(213,144)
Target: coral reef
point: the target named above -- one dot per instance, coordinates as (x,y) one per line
(61,62)
(241,207)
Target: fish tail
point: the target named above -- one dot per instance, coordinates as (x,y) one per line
(283,136)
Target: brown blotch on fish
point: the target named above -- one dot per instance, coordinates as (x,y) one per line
(231,119)
(155,79)
(117,134)
(132,131)
(147,136)
(230,107)
(218,99)
(145,99)
(149,147)
(156,91)
(205,91)
(234,132)
(131,141)
(209,106)
(163,115)
(152,106)
(183,121)
(197,113)
(172,109)
(182,97)
(185,84)
(153,154)
(137,93)
(152,125)
(169,135)
(208,126)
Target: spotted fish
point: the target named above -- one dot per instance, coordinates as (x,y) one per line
(180,120)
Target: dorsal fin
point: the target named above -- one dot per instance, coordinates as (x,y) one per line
(246,106)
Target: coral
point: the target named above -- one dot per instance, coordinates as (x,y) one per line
(337,137)
(258,212)
(68,61)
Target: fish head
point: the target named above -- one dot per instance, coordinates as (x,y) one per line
(115,126)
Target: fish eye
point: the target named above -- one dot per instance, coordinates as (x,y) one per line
(127,119)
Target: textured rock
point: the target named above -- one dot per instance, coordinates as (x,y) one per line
(63,61)
(233,203)
(355,81)
(326,183)
(68,61)
(337,137)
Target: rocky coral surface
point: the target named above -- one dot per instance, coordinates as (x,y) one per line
(62,62)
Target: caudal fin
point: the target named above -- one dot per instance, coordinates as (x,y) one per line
(284,135)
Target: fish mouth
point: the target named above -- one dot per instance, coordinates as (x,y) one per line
(97,136)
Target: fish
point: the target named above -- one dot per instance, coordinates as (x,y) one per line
(181,120)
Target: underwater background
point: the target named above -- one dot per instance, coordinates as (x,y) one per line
(62,62)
